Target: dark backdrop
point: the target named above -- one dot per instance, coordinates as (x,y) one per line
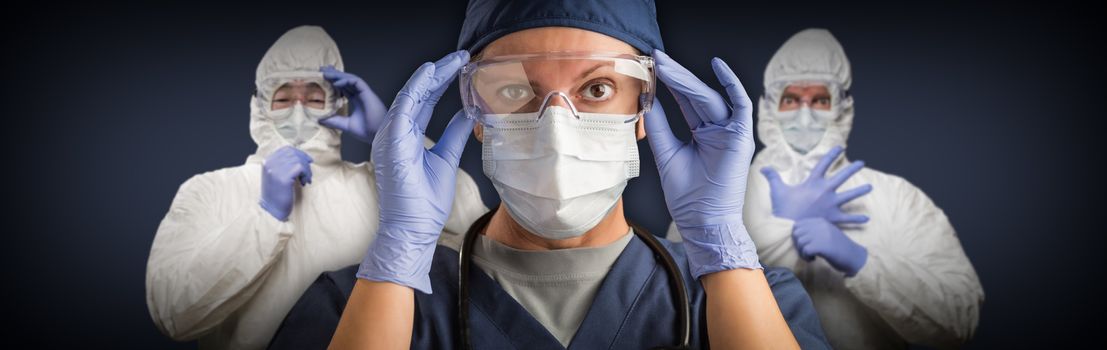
(991,109)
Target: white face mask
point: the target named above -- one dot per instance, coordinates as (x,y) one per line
(297,124)
(560,175)
(803,128)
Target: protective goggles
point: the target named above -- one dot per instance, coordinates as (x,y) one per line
(774,94)
(596,84)
(267,86)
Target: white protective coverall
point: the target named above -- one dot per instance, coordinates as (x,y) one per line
(225,271)
(917,286)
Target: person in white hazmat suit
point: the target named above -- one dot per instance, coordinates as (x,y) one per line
(880,260)
(240,245)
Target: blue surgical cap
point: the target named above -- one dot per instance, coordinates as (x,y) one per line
(632,21)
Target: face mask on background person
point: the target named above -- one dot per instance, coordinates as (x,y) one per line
(803,128)
(295,103)
(296,124)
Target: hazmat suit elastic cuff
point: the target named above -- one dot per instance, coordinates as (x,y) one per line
(272,211)
(860,284)
(283,228)
(271,237)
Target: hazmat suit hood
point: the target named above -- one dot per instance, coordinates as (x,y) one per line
(300,52)
(812,55)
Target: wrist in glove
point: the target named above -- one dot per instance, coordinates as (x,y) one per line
(718,247)
(400,256)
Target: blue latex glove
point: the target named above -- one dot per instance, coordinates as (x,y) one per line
(816,197)
(704,180)
(279,173)
(818,237)
(367,112)
(416,185)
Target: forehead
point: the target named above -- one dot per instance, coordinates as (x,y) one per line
(807,89)
(300,85)
(555,39)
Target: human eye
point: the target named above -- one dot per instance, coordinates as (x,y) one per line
(514,92)
(598,91)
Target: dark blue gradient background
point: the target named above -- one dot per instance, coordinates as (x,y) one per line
(993,110)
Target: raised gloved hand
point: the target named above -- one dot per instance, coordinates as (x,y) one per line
(819,237)
(416,185)
(367,112)
(279,173)
(704,180)
(816,197)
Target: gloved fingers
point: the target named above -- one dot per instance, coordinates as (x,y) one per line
(305,174)
(332,74)
(796,244)
(691,117)
(337,122)
(802,227)
(342,83)
(274,166)
(285,150)
(283,155)
(355,102)
(453,140)
(280,152)
(739,99)
(294,171)
(841,177)
(372,106)
(849,218)
(339,78)
(399,138)
(802,240)
(410,96)
(773,177)
(708,104)
(658,132)
(819,171)
(347,88)
(301,155)
(298,165)
(305,164)
(345,84)
(445,70)
(853,193)
(807,252)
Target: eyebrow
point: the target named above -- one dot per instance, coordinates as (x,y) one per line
(588,72)
(534,85)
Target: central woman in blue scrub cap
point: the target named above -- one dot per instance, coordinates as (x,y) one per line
(559,93)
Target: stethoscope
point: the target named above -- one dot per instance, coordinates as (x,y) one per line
(676,282)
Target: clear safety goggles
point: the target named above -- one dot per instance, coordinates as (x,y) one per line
(267,87)
(839,98)
(595,84)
